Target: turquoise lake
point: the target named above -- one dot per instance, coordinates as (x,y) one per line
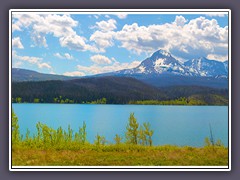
(175,125)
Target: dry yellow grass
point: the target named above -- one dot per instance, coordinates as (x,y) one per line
(109,156)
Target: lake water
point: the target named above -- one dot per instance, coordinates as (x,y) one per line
(175,125)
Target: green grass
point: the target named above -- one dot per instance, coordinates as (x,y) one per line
(50,147)
(121,155)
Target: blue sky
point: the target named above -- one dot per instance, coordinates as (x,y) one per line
(86,44)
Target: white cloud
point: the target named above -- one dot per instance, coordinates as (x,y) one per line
(16,42)
(76,42)
(15,27)
(44,65)
(216,15)
(198,37)
(121,16)
(96,16)
(102,39)
(31,59)
(17,64)
(68,56)
(97,69)
(21,21)
(180,21)
(218,57)
(74,73)
(64,56)
(100,59)
(60,26)
(39,40)
(185,39)
(106,26)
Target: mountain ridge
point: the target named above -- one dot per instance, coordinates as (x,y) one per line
(161,69)
(115,90)
(162,62)
(19,75)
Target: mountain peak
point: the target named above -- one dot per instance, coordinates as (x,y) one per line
(163,63)
(202,58)
(160,53)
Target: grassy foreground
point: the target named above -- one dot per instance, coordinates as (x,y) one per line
(50,147)
(122,155)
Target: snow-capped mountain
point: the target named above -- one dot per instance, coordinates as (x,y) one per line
(226,65)
(163,63)
(207,68)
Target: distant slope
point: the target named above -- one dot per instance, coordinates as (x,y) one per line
(19,75)
(163,70)
(173,80)
(117,90)
(188,91)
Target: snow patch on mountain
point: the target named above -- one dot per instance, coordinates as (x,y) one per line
(162,62)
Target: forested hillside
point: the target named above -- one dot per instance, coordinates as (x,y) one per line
(111,90)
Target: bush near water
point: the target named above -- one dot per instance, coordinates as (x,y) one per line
(51,147)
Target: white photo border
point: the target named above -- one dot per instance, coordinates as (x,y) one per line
(120,168)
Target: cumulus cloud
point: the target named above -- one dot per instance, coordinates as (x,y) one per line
(106,26)
(121,16)
(44,65)
(103,39)
(68,56)
(31,59)
(60,26)
(76,42)
(198,37)
(97,69)
(183,38)
(39,40)
(74,73)
(64,56)
(24,20)
(16,43)
(180,21)
(100,59)
(218,57)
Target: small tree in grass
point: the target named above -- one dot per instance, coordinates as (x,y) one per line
(132,130)
(117,139)
(148,133)
(15,129)
(100,140)
(207,142)
(142,136)
(83,133)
